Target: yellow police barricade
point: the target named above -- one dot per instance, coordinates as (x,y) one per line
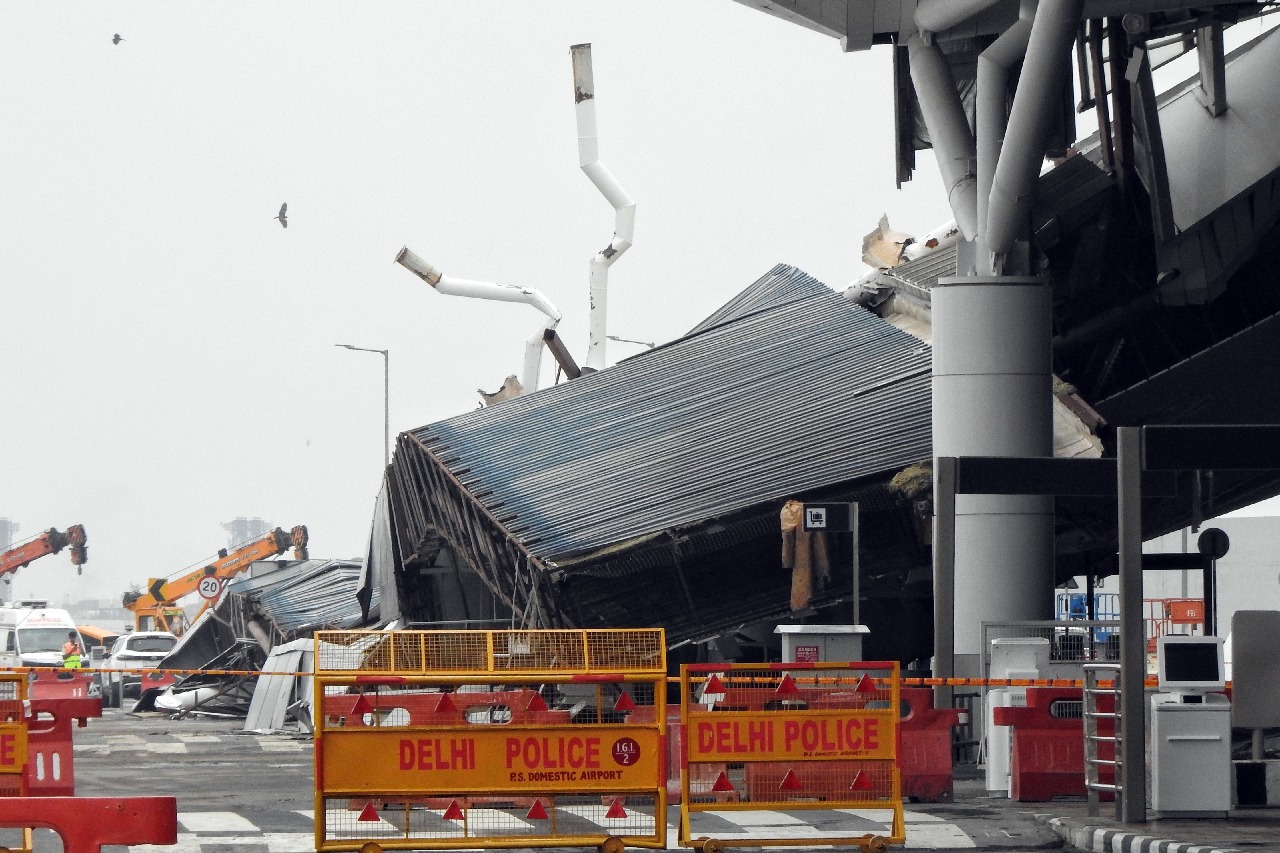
(793,739)
(13,735)
(465,739)
(14,711)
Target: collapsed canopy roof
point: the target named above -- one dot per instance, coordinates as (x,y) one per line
(788,390)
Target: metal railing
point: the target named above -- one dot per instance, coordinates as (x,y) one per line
(1072,643)
(965,742)
(1094,673)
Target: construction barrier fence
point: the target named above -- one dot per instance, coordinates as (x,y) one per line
(792,737)
(13,735)
(465,739)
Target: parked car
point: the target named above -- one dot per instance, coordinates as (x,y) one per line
(134,651)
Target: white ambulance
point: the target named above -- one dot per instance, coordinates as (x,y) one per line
(32,633)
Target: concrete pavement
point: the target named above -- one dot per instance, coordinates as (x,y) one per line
(255,791)
(1068,819)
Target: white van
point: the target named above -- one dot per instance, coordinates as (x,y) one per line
(32,634)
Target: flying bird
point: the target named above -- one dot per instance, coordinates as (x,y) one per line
(284,223)
(117,38)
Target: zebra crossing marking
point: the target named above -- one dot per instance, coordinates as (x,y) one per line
(204,830)
(215,822)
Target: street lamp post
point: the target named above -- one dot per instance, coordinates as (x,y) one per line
(386,398)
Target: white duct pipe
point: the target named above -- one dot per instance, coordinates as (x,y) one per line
(1044,69)
(953,143)
(994,65)
(936,16)
(941,237)
(584,95)
(489,290)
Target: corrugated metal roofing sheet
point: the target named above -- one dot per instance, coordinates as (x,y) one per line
(782,285)
(923,273)
(794,388)
(307,595)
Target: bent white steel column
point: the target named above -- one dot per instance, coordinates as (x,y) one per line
(584,95)
(992,396)
(490,290)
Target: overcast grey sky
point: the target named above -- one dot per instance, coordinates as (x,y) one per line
(168,359)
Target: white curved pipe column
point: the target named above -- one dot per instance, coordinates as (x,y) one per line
(584,95)
(451,286)
(1044,71)
(994,65)
(992,396)
(949,132)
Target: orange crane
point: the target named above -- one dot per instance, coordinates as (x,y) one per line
(50,542)
(156,609)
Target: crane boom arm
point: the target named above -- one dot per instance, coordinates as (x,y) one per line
(161,592)
(50,542)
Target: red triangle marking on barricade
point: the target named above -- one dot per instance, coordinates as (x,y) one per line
(445,704)
(624,703)
(722,783)
(790,782)
(536,811)
(713,685)
(616,810)
(536,703)
(361,707)
(861,782)
(787,687)
(454,812)
(369,813)
(865,685)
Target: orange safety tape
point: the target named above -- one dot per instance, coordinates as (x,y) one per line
(1150,681)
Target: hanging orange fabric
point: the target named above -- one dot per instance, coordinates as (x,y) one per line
(804,553)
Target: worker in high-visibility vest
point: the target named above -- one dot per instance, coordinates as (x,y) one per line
(71,651)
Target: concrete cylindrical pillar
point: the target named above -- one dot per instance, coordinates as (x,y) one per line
(992,396)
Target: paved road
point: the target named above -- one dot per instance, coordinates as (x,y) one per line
(254,793)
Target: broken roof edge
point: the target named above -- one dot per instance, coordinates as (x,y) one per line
(861,490)
(784,284)
(570,561)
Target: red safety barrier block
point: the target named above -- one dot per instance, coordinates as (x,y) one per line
(50,755)
(1047,758)
(86,824)
(924,754)
(151,679)
(59,683)
(521,707)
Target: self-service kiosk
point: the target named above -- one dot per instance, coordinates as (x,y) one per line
(1190,729)
(1011,658)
